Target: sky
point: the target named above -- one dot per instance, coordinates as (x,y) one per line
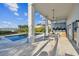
(14,14)
(37,17)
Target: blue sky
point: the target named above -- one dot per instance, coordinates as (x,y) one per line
(12,15)
(37,18)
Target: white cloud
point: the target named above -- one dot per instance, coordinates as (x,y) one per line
(12,6)
(7,24)
(41,16)
(15,13)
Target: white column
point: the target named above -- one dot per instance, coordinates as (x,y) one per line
(51,26)
(70,32)
(30,22)
(46,26)
(78,35)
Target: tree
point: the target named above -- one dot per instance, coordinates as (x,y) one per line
(23,28)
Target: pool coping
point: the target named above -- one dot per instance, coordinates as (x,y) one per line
(12,34)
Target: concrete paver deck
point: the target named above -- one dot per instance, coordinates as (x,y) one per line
(48,50)
(65,47)
(60,47)
(22,50)
(40,45)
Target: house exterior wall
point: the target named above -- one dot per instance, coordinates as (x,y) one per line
(74,15)
(59,24)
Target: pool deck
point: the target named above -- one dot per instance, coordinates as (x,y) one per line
(22,50)
(65,48)
(60,47)
(12,34)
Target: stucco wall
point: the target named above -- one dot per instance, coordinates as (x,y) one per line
(74,15)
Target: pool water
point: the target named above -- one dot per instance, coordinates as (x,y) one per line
(16,37)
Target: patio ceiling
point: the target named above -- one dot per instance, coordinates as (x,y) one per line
(62,10)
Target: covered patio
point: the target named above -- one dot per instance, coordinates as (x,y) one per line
(56,42)
(56,13)
(50,13)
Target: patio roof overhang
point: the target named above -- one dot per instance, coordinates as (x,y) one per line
(62,10)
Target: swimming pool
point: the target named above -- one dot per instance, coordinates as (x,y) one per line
(16,37)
